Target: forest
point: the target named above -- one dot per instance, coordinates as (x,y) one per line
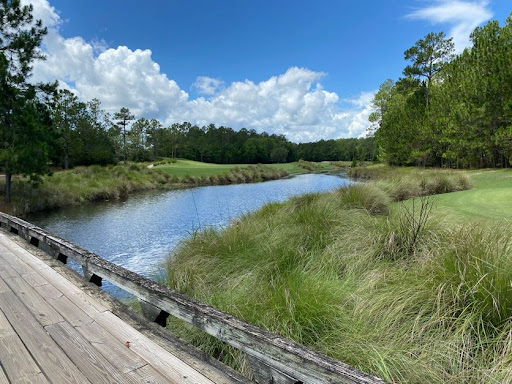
(449,110)
(85,135)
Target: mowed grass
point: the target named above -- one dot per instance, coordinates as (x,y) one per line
(489,200)
(185,168)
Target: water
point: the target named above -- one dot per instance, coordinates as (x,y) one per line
(139,233)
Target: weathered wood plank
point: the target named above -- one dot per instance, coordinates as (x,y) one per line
(3,286)
(65,307)
(5,327)
(49,292)
(120,356)
(148,375)
(75,294)
(17,362)
(85,356)
(38,306)
(50,358)
(34,279)
(169,365)
(3,377)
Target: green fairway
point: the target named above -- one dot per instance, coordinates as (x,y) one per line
(489,199)
(184,168)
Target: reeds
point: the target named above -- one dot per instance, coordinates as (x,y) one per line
(380,286)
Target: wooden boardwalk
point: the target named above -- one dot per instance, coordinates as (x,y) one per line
(52,331)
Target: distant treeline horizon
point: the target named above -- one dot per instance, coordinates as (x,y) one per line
(85,135)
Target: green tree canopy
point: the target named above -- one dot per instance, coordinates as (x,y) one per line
(25,126)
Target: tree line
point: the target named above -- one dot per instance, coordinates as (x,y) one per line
(88,135)
(43,127)
(449,110)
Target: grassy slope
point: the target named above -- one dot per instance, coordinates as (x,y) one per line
(295,168)
(184,168)
(344,273)
(490,198)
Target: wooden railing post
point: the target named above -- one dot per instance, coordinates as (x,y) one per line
(90,276)
(153,313)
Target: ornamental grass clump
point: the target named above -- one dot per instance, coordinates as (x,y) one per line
(367,196)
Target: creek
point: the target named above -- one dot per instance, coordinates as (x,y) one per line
(140,232)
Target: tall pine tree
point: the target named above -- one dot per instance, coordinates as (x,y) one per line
(25,125)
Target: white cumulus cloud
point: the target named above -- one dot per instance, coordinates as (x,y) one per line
(207,85)
(463,16)
(293,103)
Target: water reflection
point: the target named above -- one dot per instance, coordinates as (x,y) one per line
(139,233)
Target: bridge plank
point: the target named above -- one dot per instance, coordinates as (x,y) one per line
(3,377)
(54,363)
(34,279)
(18,363)
(74,293)
(115,351)
(171,366)
(15,358)
(65,307)
(38,306)
(150,375)
(85,356)
(3,286)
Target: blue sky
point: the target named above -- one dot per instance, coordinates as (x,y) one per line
(307,69)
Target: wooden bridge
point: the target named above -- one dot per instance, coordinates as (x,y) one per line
(57,327)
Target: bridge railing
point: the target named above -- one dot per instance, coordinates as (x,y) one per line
(273,359)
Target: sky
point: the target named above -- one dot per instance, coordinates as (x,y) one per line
(306,69)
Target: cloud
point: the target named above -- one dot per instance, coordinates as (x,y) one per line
(293,103)
(207,85)
(463,16)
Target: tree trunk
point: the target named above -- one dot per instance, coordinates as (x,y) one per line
(8,178)
(66,160)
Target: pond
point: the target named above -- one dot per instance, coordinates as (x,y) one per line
(140,233)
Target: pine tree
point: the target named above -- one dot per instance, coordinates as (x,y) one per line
(25,124)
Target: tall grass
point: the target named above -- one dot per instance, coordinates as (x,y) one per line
(93,183)
(378,285)
(406,183)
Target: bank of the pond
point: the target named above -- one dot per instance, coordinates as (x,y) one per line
(391,288)
(94,183)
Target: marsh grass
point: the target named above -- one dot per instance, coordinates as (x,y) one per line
(87,184)
(380,286)
(406,183)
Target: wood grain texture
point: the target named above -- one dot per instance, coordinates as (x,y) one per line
(85,356)
(115,351)
(149,375)
(3,286)
(50,358)
(18,363)
(38,306)
(65,307)
(3,377)
(169,365)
